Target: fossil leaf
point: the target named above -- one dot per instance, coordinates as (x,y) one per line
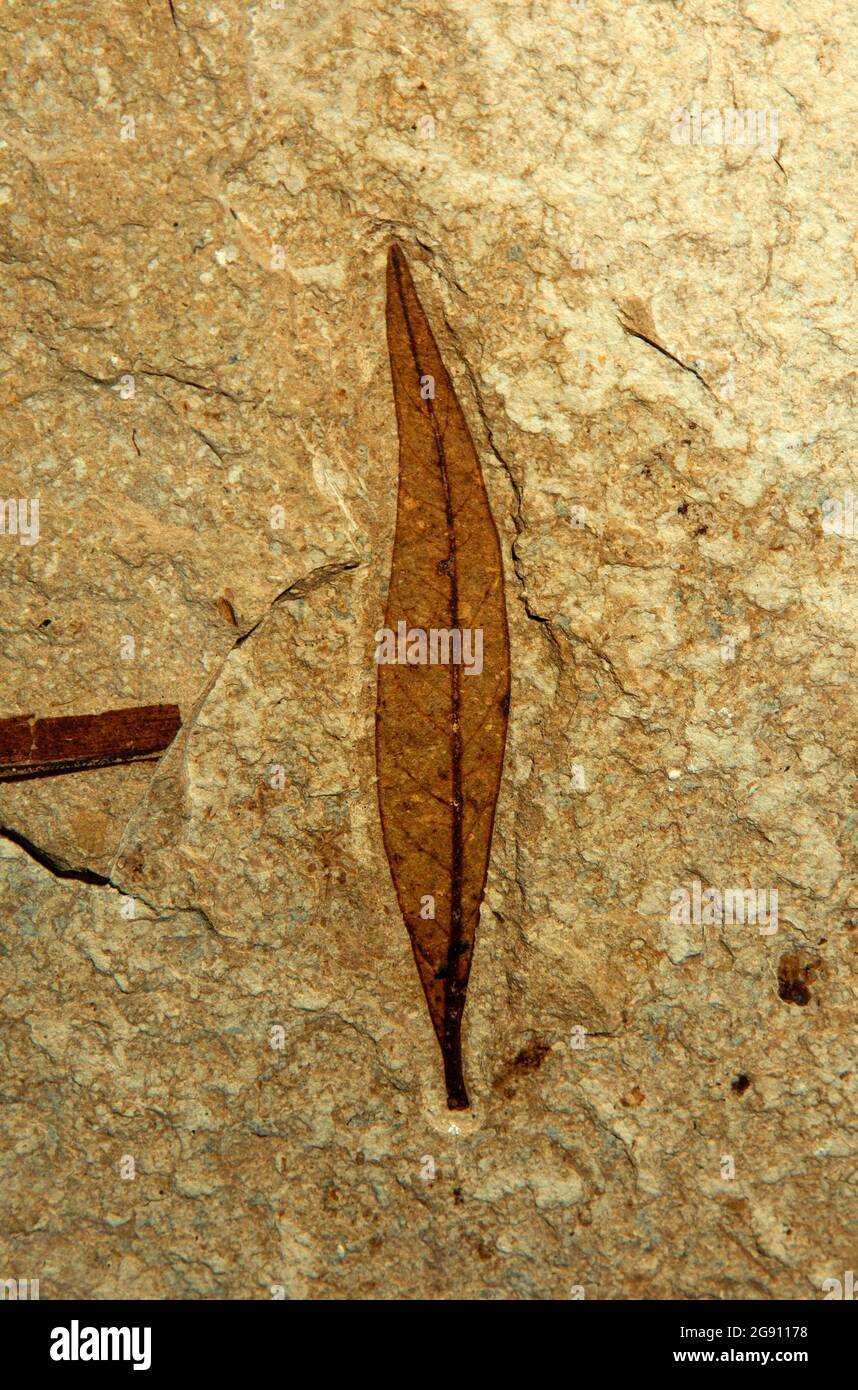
(443,675)
(31,747)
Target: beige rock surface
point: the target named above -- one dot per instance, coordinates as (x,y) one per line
(655,344)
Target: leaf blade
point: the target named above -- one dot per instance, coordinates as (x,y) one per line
(31,747)
(447,576)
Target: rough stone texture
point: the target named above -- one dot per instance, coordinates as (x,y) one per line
(683,633)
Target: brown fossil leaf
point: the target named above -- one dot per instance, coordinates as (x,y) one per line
(31,747)
(443,675)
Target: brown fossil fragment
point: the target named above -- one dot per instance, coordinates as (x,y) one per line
(31,747)
(443,677)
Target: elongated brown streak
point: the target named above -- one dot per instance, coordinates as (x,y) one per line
(447,573)
(454,991)
(31,747)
